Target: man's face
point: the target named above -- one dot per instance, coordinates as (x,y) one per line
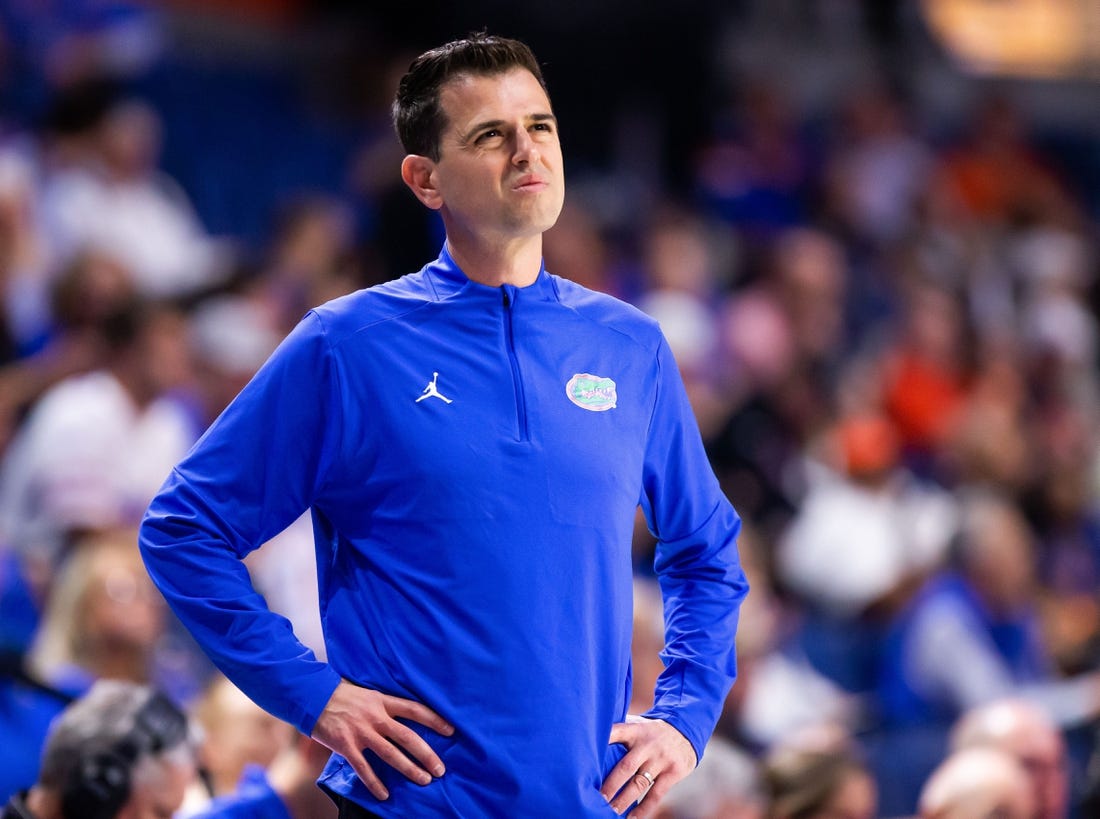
(158,789)
(499,174)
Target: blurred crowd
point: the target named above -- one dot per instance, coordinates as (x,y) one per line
(887,327)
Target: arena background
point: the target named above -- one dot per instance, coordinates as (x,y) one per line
(868,228)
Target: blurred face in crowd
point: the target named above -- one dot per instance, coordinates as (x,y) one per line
(978,783)
(166,355)
(1028,735)
(158,788)
(678,257)
(130,139)
(855,798)
(94,285)
(1000,560)
(121,608)
(237,733)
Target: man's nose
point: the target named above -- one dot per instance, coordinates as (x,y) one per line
(526,152)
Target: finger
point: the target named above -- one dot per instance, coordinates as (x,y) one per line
(392,756)
(634,791)
(364,771)
(414,744)
(652,800)
(620,775)
(622,733)
(417,712)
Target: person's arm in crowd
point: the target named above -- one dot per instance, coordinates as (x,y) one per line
(702,584)
(952,654)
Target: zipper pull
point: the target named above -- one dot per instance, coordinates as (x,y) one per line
(507,300)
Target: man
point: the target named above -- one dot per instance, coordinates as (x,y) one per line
(96,446)
(1026,732)
(473,441)
(123,751)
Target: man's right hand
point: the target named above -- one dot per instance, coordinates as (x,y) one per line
(360,718)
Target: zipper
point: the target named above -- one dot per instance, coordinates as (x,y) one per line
(513,360)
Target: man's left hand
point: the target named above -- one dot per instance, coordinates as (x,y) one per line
(658,756)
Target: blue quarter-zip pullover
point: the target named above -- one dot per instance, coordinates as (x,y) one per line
(473,457)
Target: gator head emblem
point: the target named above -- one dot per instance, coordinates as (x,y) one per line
(591,392)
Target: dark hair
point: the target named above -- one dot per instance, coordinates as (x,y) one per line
(417,114)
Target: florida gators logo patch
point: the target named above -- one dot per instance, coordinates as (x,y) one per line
(591,392)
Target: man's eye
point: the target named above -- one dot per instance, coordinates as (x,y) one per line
(493,134)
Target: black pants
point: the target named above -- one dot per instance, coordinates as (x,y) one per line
(352,810)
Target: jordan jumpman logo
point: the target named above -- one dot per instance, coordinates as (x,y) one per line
(432,391)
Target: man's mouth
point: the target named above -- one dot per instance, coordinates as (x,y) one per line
(529,184)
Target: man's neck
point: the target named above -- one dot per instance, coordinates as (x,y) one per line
(516,262)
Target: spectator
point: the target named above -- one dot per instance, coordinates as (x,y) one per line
(968,637)
(286,790)
(105,620)
(578,243)
(113,199)
(237,734)
(757,172)
(22,255)
(96,446)
(230,337)
(878,167)
(682,266)
(312,260)
(926,371)
(819,774)
(121,751)
(970,634)
(67,43)
(1027,733)
(779,692)
(27,707)
(997,174)
(66,336)
(977,782)
(810,277)
(872,517)
(785,337)
(992,445)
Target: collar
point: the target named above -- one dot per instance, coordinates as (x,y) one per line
(448,279)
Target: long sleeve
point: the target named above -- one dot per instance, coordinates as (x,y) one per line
(697,565)
(258,467)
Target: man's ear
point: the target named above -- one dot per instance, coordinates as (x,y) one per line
(418,172)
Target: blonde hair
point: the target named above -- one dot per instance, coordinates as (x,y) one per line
(62,638)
